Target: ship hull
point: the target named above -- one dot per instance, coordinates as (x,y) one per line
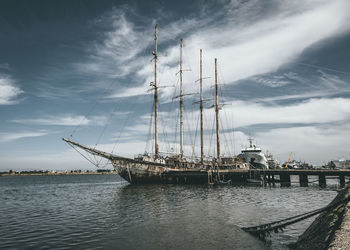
(256,160)
(141,173)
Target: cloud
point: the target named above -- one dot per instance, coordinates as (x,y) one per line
(5,66)
(275,81)
(247,113)
(312,111)
(7,137)
(8,91)
(245,47)
(65,120)
(321,118)
(129,92)
(316,145)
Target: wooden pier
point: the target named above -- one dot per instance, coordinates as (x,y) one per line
(269,176)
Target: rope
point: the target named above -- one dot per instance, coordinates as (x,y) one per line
(195,137)
(211,139)
(106,125)
(149,129)
(123,126)
(83,155)
(265,229)
(92,108)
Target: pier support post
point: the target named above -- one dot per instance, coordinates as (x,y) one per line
(273,180)
(303,180)
(322,180)
(285,180)
(342,180)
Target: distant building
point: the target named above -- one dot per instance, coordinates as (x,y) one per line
(339,164)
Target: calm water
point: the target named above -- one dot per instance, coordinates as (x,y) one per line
(104,212)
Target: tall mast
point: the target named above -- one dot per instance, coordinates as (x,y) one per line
(201,105)
(217,112)
(181,106)
(156,148)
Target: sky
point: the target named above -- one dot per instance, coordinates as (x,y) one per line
(82,70)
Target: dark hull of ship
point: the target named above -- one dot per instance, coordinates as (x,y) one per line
(144,172)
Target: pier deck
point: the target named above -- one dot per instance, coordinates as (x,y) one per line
(285,175)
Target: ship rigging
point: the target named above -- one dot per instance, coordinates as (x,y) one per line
(176,168)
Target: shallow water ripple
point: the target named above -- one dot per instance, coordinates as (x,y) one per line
(104,212)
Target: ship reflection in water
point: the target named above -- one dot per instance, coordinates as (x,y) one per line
(105,212)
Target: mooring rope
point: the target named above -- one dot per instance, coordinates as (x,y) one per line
(265,229)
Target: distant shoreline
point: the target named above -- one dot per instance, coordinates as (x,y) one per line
(57,173)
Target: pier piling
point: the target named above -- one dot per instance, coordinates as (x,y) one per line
(322,180)
(285,179)
(303,180)
(342,180)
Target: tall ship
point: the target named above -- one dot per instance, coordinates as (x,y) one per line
(176,168)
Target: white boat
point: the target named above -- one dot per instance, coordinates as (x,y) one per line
(254,156)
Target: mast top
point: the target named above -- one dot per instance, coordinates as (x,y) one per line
(250,142)
(155,31)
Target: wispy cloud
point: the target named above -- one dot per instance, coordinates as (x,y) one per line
(64,120)
(7,137)
(245,47)
(8,91)
(248,113)
(313,86)
(275,81)
(317,111)
(5,66)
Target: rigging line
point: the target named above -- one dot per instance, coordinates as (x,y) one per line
(196,118)
(228,139)
(162,123)
(188,126)
(173,118)
(322,67)
(195,136)
(192,140)
(98,162)
(123,127)
(89,157)
(227,146)
(106,125)
(176,129)
(92,108)
(176,116)
(82,154)
(149,134)
(105,164)
(164,130)
(233,132)
(211,138)
(231,139)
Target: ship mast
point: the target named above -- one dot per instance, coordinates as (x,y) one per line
(217,113)
(181,106)
(201,105)
(156,147)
